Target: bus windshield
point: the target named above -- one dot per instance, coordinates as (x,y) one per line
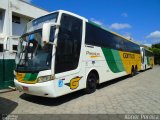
(32,56)
(38,23)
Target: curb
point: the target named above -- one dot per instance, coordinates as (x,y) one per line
(10,89)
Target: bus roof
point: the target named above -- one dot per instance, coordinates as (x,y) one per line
(70,13)
(93,23)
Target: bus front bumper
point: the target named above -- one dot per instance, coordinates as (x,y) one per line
(45,89)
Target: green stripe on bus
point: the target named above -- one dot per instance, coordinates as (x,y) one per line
(113,60)
(30,76)
(95,24)
(118,60)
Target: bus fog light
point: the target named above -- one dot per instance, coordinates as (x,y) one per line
(44,79)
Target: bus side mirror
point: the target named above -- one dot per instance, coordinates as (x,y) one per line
(46,32)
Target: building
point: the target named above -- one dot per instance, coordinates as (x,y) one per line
(14,15)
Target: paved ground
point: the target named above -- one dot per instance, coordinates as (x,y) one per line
(140,94)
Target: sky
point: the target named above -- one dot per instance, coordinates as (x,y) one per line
(135,19)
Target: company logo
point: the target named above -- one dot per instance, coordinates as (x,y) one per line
(93,54)
(74,83)
(128,55)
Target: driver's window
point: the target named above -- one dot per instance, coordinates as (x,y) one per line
(69,44)
(52,32)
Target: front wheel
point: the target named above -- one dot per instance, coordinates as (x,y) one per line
(91,83)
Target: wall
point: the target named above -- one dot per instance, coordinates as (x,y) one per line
(26,9)
(18,29)
(1,25)
(21,8)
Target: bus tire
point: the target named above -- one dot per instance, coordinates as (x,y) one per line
(136,70)
(132,72)
(91,83)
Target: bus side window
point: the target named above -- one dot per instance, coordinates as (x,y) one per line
(68,44)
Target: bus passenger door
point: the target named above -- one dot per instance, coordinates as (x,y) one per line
(143,61)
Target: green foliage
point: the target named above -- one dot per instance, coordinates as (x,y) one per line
(156,51)
(156,46)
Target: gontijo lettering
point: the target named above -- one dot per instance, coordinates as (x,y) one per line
(128,55)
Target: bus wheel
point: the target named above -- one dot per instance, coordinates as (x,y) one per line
(91,83)
(132,72)
(135,71)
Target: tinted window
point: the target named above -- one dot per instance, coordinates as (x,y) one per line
(99,37)
(102,38)
(131,47)
(69,44)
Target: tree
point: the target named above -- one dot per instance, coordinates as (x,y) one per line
(156,46)
(156,51)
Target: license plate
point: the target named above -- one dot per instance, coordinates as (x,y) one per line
(25,88)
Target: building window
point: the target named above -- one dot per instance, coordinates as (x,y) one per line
(16,19)
(14,47)
(1,47)
(0,15)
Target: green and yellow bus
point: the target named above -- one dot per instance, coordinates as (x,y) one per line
(147,58)
(62,52)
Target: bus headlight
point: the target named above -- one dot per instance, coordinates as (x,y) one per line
(44,79)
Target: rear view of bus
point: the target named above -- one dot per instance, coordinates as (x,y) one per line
(147,59)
